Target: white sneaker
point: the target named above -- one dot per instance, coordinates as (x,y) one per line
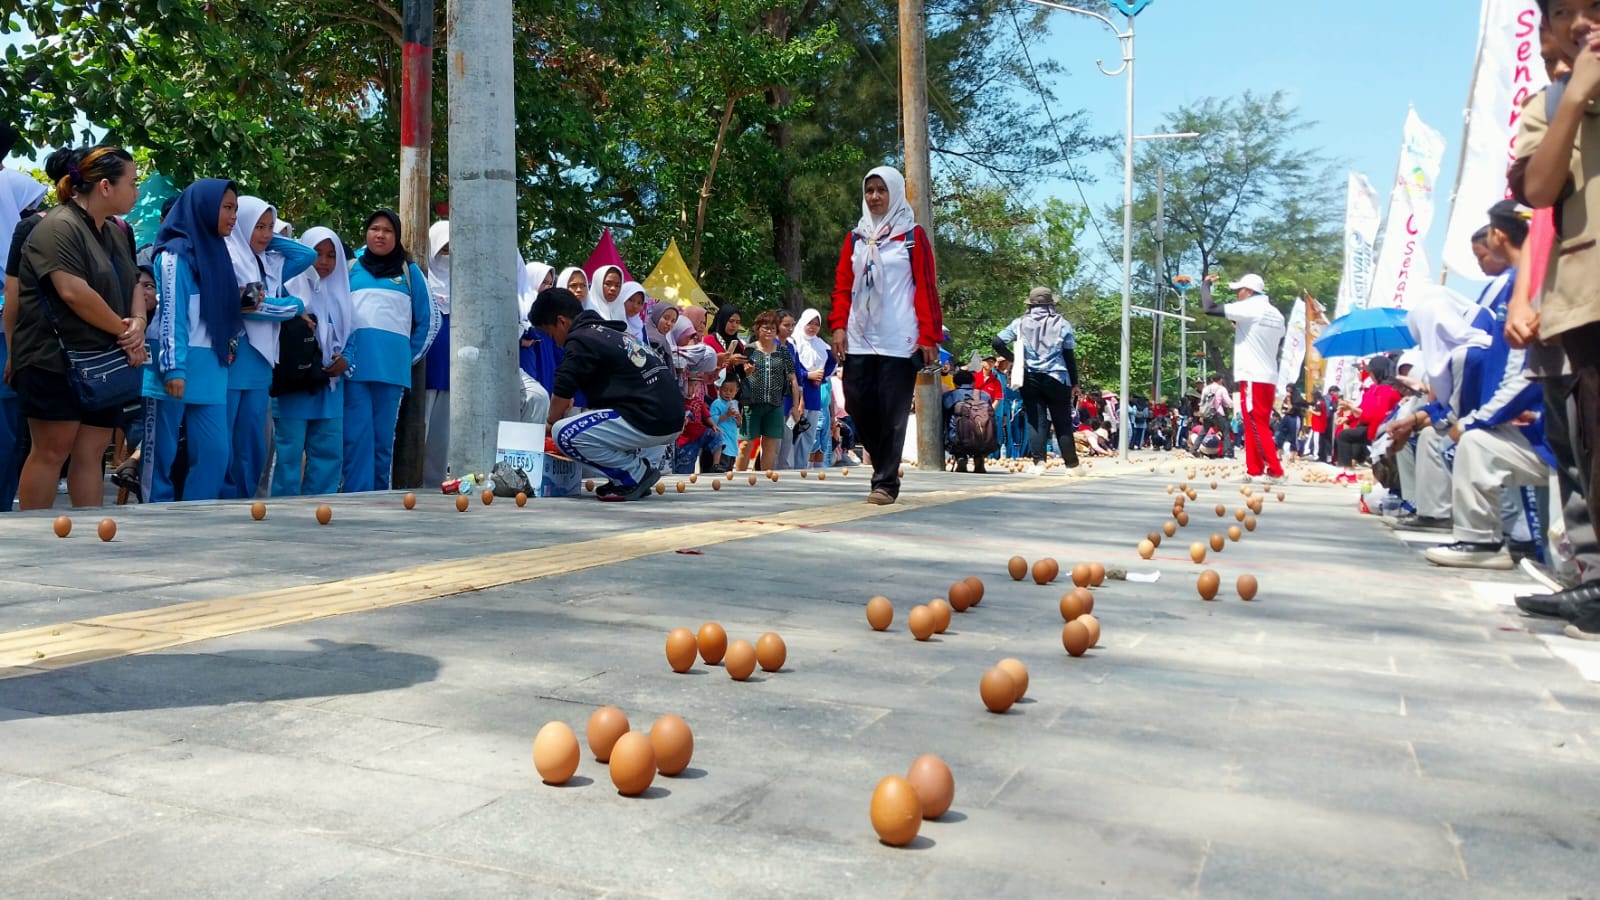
(1033,469)
(1248,478)
(1274,480)
(61,486)
(1466,555)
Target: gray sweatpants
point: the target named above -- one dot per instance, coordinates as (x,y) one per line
(602,440)
(1488,461)
(1433,474)
(436,419)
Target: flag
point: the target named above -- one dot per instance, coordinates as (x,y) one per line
(1361,220)
(1402,260)
(1507,73)
(1293,354)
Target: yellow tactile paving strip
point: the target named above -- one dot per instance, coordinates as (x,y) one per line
(36,650)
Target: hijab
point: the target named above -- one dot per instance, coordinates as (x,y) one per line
(719,328)
(327,298)
(249,266)
(565,278)
(393,263)
(867,258)
(189,232)
(813,352)
(655,313)
(1042,328)
(19,193)
(636,324)
(439,265)
(597,294)
(1438,321)
(537,272)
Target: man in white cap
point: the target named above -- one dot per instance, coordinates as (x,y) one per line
(1258,330)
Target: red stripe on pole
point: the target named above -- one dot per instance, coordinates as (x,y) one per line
(416,95)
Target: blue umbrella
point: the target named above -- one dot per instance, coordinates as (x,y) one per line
(1365,332)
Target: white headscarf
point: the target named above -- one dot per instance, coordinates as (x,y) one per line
(249,267)
(565,278)
(898,219)
(17,193)
(1438,320)
(813,352)
(537,272)
(439,265)
(327,298)
(597,295)
(638,326)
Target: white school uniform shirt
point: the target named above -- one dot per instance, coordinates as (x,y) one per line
(1260,329)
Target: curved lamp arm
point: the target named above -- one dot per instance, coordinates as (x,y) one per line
(1123,37)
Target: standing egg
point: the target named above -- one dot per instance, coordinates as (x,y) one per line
(752,481)
(935,786)
(681,649)
(1170,528)
(682,487)
(1207,584)
(771,652)
(62,526)
(1146,549)
(880,613)
(324,514)
(920,621)
(712,642)
(632,764)
(1197,552)
(487,497)
(1075,637)
(1182,517)
(977,588)
(1045,571)
(1247,587)
(462,503)
(1097,574)
(1234,533)
(960,595)
(1018,673)
(606,725)
(1249,523)
(998,690)
(1081,574)
(1090,622)
(740,661)
(258,510)
(1017,567)
(716,485)
(1217,542)
(941,615)
(673,744)
(409,501)
(555,753)
(108,529)
(1071,605)
(896,811)
(1221,510)
(522,498)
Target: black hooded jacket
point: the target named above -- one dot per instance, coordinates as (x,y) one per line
(615,370)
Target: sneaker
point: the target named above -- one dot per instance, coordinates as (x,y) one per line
(1274,480)
(1034,469)
(1470,555)
(880,497)
(1249,479)
(1419,523)
(615,493)
(1577,632)
(1552,580)
(1521,550)
(1563,604)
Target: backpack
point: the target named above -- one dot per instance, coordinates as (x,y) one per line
(972,421)
(299,368)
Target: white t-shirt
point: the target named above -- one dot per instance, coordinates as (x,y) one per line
(1260,330)
(889,327)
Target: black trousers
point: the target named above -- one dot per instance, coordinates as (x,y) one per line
(1351,445)
(877,395)
(1046,400)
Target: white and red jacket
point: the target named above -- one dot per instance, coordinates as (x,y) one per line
(909,317)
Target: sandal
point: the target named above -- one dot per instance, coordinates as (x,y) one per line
(126,477)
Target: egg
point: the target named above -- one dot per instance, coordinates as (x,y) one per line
(324,514)
(1154,537)
(901,474)
(1249,523)
(740,661)
(1222,510)
(960,595)
(823,476)
(1169,488)
(977,588)
(1071,605)
(771,475)
(804,474)
(843,473)
(1247,587)
(522,499)
(1086,598)
(921,622)
(1207,584)
(258,510)
(712,642)
(1146,549)
(880,613)
(1182,517)
(1217,542)
(681,649)
(1197,552)
(1213,485)
(1045,571)
(1018,673)
(588,486)
(1255,505)
(997,689)
(752,481)
(673,744)
(1075,637)
(1017,567)
(941,615)
(682,487)
(1097,574)
(108,529)
(935,786)
(63,526)
(633,764)
(661,488)
(716,485)
(1081,573)
(896,811)
(409,501)
(606,724)
(462,503)
(1090,622)
(694,478)
(1169,528)
(1280,496)
(771,651)
(1234,533)
(555,753)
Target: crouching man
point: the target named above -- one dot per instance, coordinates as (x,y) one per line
(634,402)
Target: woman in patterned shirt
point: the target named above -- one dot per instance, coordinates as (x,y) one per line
(770,378)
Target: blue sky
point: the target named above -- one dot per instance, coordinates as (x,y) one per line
(1353,67)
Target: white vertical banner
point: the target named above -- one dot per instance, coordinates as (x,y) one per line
(1293,356)
(1361,220)
(1402,260)
(1507,73)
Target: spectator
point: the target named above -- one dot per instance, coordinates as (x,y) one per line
(817,360)
(1377,402)
(725,417)
(771,380)
(1216,405)
(1050,374)
(308,430)
(952,401)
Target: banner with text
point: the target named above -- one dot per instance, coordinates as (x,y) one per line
(1402,259)
(1361,221)
(1293,355)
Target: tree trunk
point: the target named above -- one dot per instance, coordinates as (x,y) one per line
(786,239)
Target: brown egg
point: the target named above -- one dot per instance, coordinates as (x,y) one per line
(1213,485)
(633,764)
(896,811)
(716,485)
(920,621)
(694,477)
(1192,494)
(1249,523)
(1090,622)
(1169,488)
(63,526)
(960,595)
(843,473)
(1018,673)
(324,514)
(409,501)
(1255,505)
(673,744)
(1280,496)
(682,487)
(462,503)
(1045,571)
(1247,587)
(661,488)
(752,481)
(1097,574)
(771,475)
(487,497)
(1217,542)
(1240,513)
(1234,533)
(880,613)
(1081,575)
(522,499)
(681,649)
(1169,528)
(1244,489)
(1017,567)
(108,529)
(1207,584)
(1071,605)
(712,642)
(555,753)
(606,724)
(1182,517)
(1197,552)
(588,486)
(998,690)
(1221,510)
(941,615)
(1146,549)
(936,787)
(1087,598)
(1075,637)
(823,476)
(771,651)
(977,588)
(740,661)
(901,474)
(258,510)
(1178,501)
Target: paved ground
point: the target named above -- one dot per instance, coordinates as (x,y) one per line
(1370,726)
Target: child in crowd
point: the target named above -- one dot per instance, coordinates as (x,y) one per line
(726,419)
(699,430)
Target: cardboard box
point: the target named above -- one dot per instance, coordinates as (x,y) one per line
(561,477)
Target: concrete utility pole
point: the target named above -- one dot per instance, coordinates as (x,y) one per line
(483,229)
(919,187)
(1158,323)
(416,166)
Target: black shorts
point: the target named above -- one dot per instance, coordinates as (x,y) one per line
(47,396)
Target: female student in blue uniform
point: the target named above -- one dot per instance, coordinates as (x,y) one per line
(310,426)
(396,322)
(198,313)
(259,257)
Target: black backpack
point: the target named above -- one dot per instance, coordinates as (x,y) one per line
(973,424)
(299,368)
